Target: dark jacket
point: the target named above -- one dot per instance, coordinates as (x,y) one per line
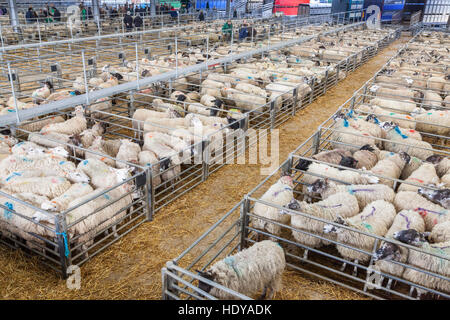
(128,21)
(201,16)
(56,14)
(31,16)
(138,21)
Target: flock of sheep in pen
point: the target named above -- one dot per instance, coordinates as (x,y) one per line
(61,161)
(378,175)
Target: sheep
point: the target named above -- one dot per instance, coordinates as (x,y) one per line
(440,232)
(213,88)
(164,125)
(410,167)
(365,194)
(390,165)
(396,93)
(366,157)
(280,193)
(26,147)
(244,100)
(112,208)
(15,163)
(8,140)
(97,147)
(349,138)
(43,93)
(33,126)
(251,89)
(402,120)
(333,156)
(343,176)
(441,163)
(148,158)
(432,99)
(170,163)
(434,121)
(86,138)
(128,152)
(402,107)
(75,125)
(140,115)
(436,83)
(413,147)
(51,187)
(432,213)
(440,197)
(111,147)
(13,224)
(249,271)
(424,175)
(404,220)
(173,142)
(50,139)
(100,105)
(425,261)
(376,218)
(342,204)
(102,175)
(61,203)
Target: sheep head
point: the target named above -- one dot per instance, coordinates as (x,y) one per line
(330,228)
(318,186)
(348,162)
(410,236)
(388,251)
(78,177)
(207,275)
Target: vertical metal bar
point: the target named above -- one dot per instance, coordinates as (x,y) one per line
(13,92)
(63,241)
(137,66)
(244,221)
(85,77)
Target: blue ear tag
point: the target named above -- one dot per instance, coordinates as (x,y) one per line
(345,123)
(72,93)
(350,113)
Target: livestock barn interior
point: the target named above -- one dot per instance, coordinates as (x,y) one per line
(184,155)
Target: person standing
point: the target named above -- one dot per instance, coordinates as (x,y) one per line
(83,12)
(201,16)
(128,21)
(31,15)
(55,12)
(138,22)
(227,29)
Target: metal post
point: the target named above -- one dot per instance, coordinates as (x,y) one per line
(244,221)
(85,78)
(13,92)
(63,243)
(273,114)
(13,15)
(137,66)
(96,11)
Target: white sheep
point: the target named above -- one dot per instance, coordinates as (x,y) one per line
(404,220)
(148,158)
(402,120)
(376,218)
(250,271)
(424,175)
(415,148)
(13,224)
(61,203)
(170,162)
(402,107)
(434,121)
(440,232)
(350,138)
(280,193)
(432,213)
(102,175)
(365,194)
(34,125)
(97,146)
(74,125)
(50,187)
(425,261)
(342,204)
(128,152)
(390,165)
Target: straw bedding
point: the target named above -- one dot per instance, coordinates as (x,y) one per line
(130,268)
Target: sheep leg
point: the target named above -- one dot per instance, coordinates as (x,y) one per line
(263,295)
(355,269)
(343,266)
(388,286)
(305,254)
(114,229)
